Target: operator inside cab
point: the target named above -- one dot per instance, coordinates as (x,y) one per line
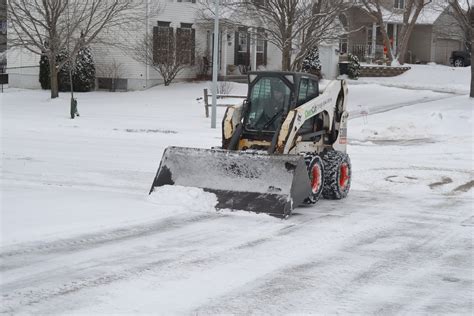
(269,100)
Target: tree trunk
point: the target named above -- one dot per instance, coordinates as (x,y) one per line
(54,77)
(286,58)
(472,70)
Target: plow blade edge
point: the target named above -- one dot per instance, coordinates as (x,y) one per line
(252,182)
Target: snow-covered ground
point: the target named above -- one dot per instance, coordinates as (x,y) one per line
(80,235)
(434,77)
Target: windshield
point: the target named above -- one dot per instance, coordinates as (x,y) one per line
(269,99)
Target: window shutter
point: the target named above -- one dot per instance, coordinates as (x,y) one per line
(265,52)
(193,46)
(171,44)
(236,48)
(155,45)
(179,45)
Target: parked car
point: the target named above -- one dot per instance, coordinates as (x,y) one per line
(460,59)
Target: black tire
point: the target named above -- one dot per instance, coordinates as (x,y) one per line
(337,176)
(315,167)
(458,62)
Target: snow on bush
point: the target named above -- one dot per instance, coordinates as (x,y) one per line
(354,67)
(83,73)
(311,64)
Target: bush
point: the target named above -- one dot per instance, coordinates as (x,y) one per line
(354,67)
(83,73)
(311,63)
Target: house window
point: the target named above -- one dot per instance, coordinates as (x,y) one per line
(261,48)
(243,42)
(163,41)
(164,24)
(3,27)
(242,47)
(185,44)
(259,3)
(399,4)
(186,25)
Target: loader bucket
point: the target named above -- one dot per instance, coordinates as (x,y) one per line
(252,182)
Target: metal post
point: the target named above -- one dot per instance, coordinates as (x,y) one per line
(73,105)
(146,44)
(215,65)
(253,49)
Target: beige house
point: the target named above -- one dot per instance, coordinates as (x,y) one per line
(435,35)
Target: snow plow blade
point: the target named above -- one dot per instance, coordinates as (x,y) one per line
(254,182)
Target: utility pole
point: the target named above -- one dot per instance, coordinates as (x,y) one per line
(215,65)
(73,101)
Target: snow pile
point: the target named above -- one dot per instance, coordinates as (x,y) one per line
(180,199)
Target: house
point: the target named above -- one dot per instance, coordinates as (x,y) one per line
(435,35)
(241,49)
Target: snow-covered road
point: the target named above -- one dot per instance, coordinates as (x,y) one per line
(80,235)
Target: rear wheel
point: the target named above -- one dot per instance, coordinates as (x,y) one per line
(315,167)
(458,62)
(338,172)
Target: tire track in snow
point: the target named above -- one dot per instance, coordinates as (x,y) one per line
(43,287)
(381,109)
(380,255)
(26,254)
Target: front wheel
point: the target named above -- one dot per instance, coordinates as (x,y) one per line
(315,168)
(338,173)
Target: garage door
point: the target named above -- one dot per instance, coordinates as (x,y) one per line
(444,47)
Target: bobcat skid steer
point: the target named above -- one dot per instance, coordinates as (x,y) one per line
(283,147)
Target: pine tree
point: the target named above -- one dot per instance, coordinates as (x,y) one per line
(311,64)
(84,71)
(63,73)
(354,67)
(44,77)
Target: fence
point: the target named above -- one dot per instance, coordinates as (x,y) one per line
(364,51)
(219,96)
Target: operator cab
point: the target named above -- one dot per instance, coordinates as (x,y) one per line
(271,96)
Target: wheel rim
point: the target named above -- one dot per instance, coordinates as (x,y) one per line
(458,63)
(316,178)
(343,175)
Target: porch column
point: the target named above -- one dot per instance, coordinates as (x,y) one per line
(374,39)
(253,49)
(224,53)
(395,39)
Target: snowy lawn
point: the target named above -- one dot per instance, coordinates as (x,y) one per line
(434,77)
(81,235)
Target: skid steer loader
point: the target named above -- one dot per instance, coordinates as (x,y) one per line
(283,147)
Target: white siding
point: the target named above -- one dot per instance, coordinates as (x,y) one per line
(23,68)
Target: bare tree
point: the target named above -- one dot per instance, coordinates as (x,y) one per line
(291,25)
(410,14)
(166,52)
(51,26)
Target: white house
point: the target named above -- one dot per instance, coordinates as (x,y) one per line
(240,50)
